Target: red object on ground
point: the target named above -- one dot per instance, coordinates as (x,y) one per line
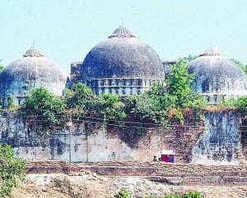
(167,158)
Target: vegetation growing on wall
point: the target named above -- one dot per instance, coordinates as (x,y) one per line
(12,170)
(79,97)
(43,111)
(239,103)
(162,103)
(167,101)
(84,103)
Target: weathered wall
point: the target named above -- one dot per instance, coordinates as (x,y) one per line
(219,132)
(87,144)
(220,142)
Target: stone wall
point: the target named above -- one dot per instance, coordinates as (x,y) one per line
(98,143)
(90,142)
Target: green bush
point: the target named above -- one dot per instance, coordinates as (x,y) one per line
(239,103)
(44,109)
(12,170)
(186,195)
(123,193)
(241,65)
(80,96)
(107,107)
(167,101)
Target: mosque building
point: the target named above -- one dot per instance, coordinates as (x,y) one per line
(217,77)
(121,64)
(32,71)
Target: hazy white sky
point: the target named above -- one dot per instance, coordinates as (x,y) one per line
(66,30)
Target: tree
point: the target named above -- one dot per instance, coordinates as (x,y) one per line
(12,170)
(108,107)
(79,97)
(167,100)
(44,108)
(189,58)
(179,82)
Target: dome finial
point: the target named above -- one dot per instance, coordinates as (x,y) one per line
(211,52)
(122,32)
(33,44)
(122,21)
(32,52)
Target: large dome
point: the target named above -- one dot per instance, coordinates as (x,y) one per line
(122,55)
(33,70)
(217,75)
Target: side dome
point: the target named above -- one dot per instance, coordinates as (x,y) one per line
(32,71)
(216,75)
(122,55)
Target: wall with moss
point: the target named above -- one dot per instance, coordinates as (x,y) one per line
(93,142)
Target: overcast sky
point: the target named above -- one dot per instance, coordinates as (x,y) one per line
(66,30)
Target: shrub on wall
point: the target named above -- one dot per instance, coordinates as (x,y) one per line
(108,107)
(239,103)
(80,96)
(84,103)
(43,110)
(162,103)
(167,101)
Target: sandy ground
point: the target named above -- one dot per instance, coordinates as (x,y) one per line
(90,185)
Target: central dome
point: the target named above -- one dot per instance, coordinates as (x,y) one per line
(122,55)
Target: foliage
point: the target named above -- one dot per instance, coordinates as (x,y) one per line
(168,100)
(44,107)
(179,83)
(108,107)
(79,97)
(141,108)
(11,105)
(1,67)
(123,193)
(186,195)
(162,103)
(241,65)
(239,103)
(12,170)
(189,58)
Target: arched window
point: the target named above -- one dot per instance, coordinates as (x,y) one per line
(102,83)
(139,82)
(117,82)
(110,82)
(205,85)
